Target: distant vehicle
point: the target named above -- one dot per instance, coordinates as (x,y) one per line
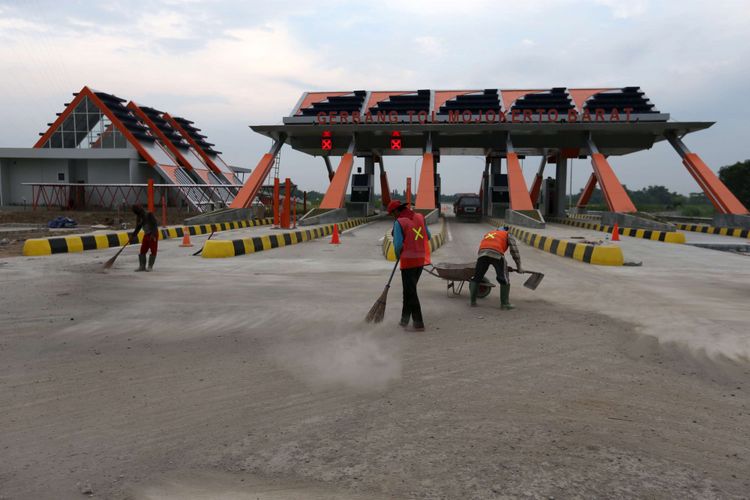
(468,206)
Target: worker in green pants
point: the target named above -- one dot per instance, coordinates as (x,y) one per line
(492,253)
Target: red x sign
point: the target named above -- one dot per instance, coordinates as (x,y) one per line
(396,141)
(326,144)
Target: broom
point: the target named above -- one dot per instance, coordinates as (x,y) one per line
(111,261)
(377,311)
(204,245)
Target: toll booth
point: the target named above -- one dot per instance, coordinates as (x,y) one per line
(499,195)
(548,198)
(362,194)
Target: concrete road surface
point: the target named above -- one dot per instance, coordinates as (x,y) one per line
(255,377)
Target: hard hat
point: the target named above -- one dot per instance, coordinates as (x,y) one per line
(394,205)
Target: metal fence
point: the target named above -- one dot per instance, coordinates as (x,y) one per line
(78,196)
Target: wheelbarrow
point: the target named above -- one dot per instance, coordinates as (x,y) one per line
(458,274)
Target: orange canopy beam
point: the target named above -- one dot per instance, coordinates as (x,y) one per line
(249,191)
(536,186)
(426,189)
(519,193)
(336,194)
(587,192)
(614,193)
(721,197)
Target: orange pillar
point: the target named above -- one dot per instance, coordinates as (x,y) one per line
(519,193)
(536,186)
(615,195)
(286,214)
(408,190)
(336,194)
(385,190)
(587,192)
(426,189)
(249,190)
(150,194)
(276,201)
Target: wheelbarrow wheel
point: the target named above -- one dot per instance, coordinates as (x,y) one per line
(483,290)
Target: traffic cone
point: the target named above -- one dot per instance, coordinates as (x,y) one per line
(186,238)
(335,237)
(615,233)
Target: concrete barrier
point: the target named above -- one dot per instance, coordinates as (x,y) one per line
(78,243)
(737,232)
(217,249)
(646,234)
(601,255)
(436,242)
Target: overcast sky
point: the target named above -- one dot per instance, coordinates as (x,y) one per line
(228,64)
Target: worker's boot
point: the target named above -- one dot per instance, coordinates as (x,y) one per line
(505,297)
(141,262)
(473,289)
(151,260)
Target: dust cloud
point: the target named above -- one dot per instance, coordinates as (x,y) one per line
(360,358)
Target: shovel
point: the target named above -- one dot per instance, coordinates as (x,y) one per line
(534,280)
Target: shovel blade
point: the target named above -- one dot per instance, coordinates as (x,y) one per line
(534,280)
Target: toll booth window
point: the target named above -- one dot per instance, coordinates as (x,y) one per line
(360,180)
(60,176)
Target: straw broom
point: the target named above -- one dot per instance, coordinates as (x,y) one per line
(377,312)
(111,261)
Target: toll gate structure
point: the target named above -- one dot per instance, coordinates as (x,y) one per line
(503,126)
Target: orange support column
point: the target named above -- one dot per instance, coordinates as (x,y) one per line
(426,189)
(536,186)
(385,190)
(519,194)
(336,194)
(275,201)
(721,197)
(614,194)
(408,190)
(286,214)
(587,192)
(249,191)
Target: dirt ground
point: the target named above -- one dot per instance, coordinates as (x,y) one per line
(255,377)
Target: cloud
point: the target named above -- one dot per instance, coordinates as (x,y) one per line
(625,9)
(429,45)
(230,63)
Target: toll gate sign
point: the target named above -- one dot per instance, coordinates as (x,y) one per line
(326,142)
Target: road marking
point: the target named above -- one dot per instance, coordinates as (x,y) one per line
(448,229)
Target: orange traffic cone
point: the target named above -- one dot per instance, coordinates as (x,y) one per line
(335,237)
(186,238)
(615,233)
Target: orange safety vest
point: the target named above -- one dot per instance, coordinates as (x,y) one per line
(416,249)
(495,240)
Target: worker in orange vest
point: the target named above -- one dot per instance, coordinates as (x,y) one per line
(411,242)
(492,253)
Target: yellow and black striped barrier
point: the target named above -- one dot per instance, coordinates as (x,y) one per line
(436,241)
(601,255)
(80,243)
(646,234)
(216,249)
(723,231)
